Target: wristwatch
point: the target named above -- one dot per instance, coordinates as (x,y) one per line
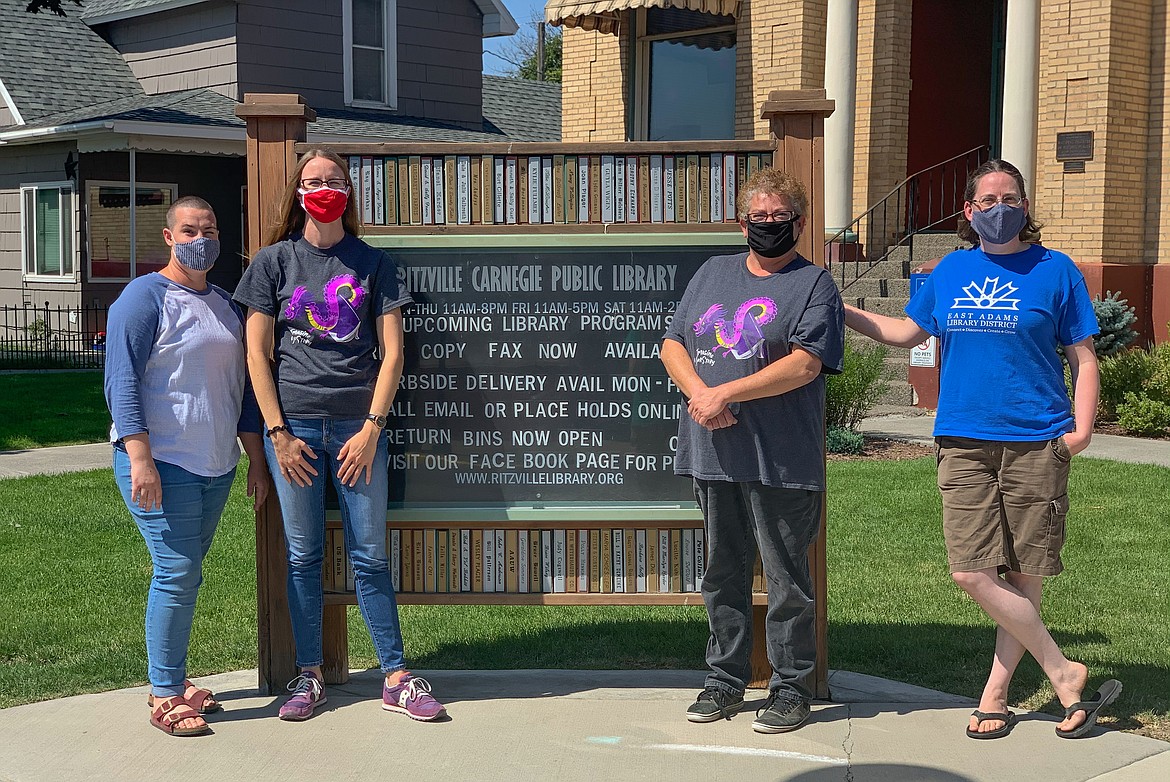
(379,420)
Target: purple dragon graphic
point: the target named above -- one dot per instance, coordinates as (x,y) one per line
(747,339)
(337,320)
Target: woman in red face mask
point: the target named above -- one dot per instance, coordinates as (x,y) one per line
(324,334)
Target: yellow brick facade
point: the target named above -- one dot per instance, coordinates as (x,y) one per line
(779,46)
(595,85)
(882,100)
(1096,74)
(1102,67)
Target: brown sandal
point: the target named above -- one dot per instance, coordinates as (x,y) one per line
(196,698)
(169,712)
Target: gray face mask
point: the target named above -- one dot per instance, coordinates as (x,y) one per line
(999,224)
(198,255)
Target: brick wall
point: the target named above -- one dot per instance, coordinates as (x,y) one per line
(780,45)
(1095,75)
(1158,162)
(883,101)
(594,88)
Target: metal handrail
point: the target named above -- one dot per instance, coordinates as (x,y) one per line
(923,200)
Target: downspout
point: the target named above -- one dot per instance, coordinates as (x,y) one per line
(133,213)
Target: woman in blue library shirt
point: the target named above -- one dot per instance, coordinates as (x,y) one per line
(1000,311)
(325,353)
(176,388)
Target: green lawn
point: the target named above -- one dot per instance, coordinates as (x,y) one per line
(74,574)
(39,409)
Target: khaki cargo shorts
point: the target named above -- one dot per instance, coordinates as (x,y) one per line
(1004,503)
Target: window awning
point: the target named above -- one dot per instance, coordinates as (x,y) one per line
(603,15)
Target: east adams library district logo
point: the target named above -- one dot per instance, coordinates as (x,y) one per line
(986,308)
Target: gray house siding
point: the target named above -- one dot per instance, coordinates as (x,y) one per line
(26,166)
(291,46)
(187,48)
(440,60)
(297,46)
(6,117)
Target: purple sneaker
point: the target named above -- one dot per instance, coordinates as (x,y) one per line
(308,694)
(412,697)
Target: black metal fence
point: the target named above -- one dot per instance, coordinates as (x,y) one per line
(45,337)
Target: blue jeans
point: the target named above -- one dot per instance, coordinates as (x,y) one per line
(363,517)
(178,536)
(782,524)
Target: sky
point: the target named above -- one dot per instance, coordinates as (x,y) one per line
(522,11)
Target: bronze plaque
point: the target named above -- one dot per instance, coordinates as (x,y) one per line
(1076,145)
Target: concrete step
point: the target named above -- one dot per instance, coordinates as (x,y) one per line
(898,364)
(879,286)
(926,247)
(894,306)
(899,393)
(935,245)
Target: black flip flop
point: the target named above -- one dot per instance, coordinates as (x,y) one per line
(1007,718)
(1105,694)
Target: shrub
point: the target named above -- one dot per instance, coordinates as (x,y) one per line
(38,329)
(1121,374)
(1114,318)
(839,440)
(1143,415)
(862,382)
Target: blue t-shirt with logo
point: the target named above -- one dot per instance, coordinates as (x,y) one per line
(999,320)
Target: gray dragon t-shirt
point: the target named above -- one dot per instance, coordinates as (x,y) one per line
(734,324)
(326,304)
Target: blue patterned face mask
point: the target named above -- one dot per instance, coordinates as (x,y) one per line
(1000,224)
(198,255)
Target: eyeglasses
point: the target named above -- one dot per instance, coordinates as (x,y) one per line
(988,201)
(774,217)
(317,184)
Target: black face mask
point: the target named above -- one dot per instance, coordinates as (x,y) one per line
(771,240)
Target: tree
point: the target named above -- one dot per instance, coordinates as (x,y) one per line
(520,51)
(36,6)
(552,59)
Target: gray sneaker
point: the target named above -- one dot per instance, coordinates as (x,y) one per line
(781,713)
(713,704)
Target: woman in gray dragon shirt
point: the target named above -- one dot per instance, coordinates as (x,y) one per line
(324,334)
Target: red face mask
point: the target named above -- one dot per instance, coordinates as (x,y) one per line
(324,204)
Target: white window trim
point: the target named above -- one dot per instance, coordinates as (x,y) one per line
(24,225)
(173,187)
(390,47)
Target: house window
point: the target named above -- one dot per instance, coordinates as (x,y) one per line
(371,48)
(114,253)
(46,220)
(686,75)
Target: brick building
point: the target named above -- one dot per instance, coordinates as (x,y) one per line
(915,82)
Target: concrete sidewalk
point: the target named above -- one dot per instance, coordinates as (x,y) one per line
(918,428)
(557,725)
(51,461)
